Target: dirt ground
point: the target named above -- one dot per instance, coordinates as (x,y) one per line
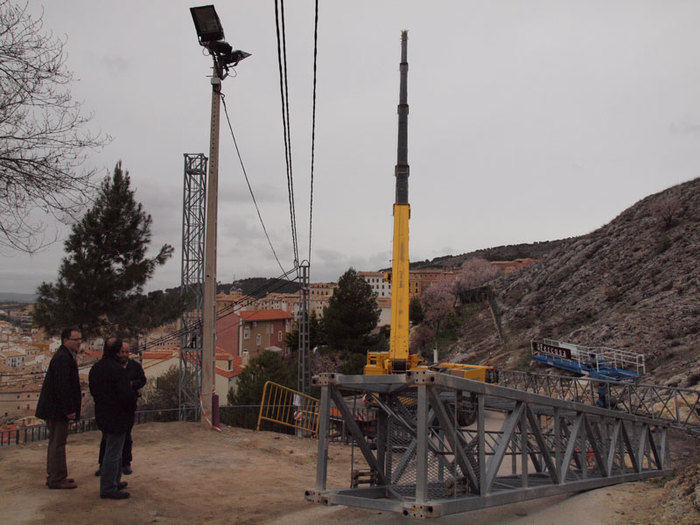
(186,474)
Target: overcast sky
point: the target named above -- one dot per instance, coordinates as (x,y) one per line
(529,121)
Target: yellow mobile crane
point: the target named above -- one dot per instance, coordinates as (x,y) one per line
(399,359)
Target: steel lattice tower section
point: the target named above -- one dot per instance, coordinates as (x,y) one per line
(304,373)
(193,228)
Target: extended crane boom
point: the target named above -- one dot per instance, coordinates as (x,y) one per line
(399,359)
(398,341)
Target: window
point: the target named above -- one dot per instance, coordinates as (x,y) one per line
(279,336)
(258,339)
(246,332)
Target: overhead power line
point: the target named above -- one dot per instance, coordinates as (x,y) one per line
(313,130)
(284,96)
(245,174)
(242,302)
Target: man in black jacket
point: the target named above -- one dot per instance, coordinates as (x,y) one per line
(115,404)
(59,403)
(137,380)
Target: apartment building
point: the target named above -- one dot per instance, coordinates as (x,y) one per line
(264,330)
(380,287)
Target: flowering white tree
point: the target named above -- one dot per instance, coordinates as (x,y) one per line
(475,272)
(438,302)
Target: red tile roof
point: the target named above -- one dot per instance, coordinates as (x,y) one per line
(227,373)
(265,315)
(236,368)
(157,354)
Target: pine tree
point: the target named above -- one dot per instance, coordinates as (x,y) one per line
(100,281)
(352,313)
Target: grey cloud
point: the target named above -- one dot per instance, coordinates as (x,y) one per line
(114,64)
(685,128)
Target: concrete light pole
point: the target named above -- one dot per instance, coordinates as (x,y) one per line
(211,36)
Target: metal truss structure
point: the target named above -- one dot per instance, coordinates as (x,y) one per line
(304,369)
(432,456)
(680,407)
(193,228)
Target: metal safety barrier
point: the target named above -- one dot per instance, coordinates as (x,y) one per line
(441,440)
(287,407)
(678,406)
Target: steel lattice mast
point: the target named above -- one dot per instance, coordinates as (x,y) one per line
(193,222)
(304,371)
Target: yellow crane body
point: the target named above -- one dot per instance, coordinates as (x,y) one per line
(399,359)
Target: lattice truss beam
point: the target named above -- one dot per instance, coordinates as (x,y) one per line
(193,229)
(678,406)
(441,444)
(304,365)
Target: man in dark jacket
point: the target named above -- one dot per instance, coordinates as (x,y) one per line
(115,404)
(59,403)
(137,380)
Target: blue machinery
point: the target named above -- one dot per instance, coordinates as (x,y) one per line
(594,362)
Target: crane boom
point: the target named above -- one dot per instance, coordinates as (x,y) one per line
(399,359)
(398,341)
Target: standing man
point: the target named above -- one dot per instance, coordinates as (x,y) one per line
(59,404)
(115,404)
(137,380)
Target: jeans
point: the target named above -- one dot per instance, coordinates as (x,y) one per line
(111,470)
(56,470)
(126,453)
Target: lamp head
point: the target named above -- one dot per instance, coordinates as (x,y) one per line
(207,24)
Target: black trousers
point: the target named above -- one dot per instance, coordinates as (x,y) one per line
(126,451)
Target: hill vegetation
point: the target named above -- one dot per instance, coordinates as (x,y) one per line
(499,253)
(631,284)
(259,286)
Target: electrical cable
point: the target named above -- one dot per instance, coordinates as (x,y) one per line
(289,135)
(243,302)
(282,69)
(245,174)
(313,131)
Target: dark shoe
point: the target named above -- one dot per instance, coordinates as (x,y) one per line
(69,480)
(126,469)
(116,495)
(98,473)
(122,485)
(62,485)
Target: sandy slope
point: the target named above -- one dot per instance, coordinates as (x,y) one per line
(183,473)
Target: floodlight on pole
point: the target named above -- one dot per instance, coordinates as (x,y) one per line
(207,24)
(211,36)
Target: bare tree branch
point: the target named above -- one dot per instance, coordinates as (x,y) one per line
(43,140)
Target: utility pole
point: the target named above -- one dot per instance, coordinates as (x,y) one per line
(211,36)
(209,347)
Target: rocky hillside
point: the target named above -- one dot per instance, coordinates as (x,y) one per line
(632,284)
(498,253)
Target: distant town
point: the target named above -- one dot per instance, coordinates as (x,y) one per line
(245,328)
